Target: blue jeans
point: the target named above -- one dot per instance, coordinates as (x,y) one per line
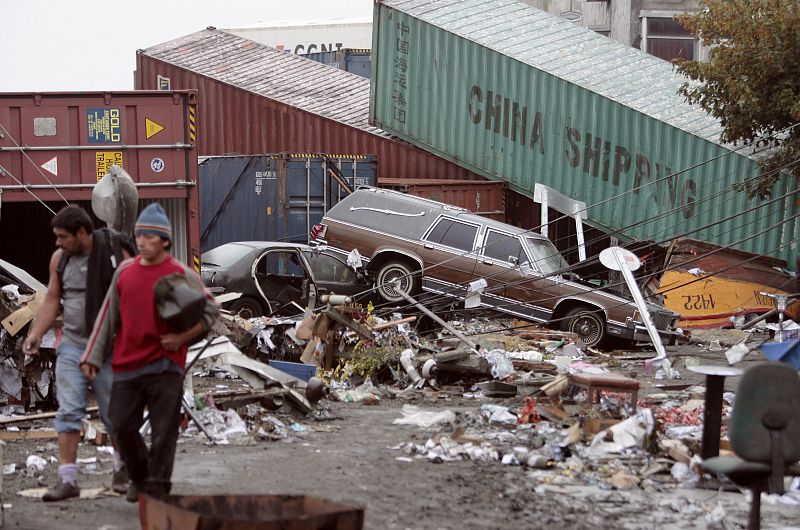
(72,389)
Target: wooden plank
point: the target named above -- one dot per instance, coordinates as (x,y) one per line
(34,417)
(393,323)
(10,436)
(358,327)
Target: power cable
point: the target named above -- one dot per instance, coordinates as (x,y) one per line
(595,259)
(25,154)
(26,188)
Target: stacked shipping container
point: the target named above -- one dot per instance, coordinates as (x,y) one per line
(256,99)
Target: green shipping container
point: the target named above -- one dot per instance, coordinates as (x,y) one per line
(520,95)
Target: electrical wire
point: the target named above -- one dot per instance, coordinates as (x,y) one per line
(25,154)
(595,259)
(26,188)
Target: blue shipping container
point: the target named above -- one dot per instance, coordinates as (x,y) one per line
(273,197)
(357,62)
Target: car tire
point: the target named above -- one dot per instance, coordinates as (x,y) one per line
(246,308)
(589,325)
(393,270)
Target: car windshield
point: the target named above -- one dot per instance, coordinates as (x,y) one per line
(545,255)
(225,255)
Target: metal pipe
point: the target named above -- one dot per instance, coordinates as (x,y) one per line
(122,147)
(445,325)
(177,183)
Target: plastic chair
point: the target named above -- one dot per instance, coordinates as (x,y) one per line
(764,434)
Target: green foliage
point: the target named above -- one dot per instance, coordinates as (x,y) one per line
(751,82)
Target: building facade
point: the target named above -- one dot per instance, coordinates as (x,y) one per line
(648,25)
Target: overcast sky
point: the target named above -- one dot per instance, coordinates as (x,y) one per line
(91,44)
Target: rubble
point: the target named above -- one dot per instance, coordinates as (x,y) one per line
(522,396)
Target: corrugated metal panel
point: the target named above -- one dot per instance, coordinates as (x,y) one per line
(357,62)
(176,212)
(517,94)
(272,197)
(254,99)
(486,198)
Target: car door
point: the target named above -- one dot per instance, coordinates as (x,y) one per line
(333,276)
(281,278)
(500,257)
(543,286)
(448,253)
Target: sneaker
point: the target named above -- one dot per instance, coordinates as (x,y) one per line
(133,493)
(119,481)
(61,491)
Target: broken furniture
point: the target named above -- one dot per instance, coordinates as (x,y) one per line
(596,383)
(764,433)
(712,412)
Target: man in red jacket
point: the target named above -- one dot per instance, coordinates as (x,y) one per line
(148,355)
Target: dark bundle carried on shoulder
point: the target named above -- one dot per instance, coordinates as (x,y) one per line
(177,302)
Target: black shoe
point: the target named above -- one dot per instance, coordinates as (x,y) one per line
(61,491)
(119,481)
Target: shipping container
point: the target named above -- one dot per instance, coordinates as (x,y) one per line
(254,99)
(357,62)
(54,147)
(517,94)
(709,285)
(486,198)
(273,197)
(310,36)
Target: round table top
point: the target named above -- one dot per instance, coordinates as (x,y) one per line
(712,369)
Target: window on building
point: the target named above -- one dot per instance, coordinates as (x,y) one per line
(667,39)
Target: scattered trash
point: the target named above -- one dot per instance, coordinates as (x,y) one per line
(422,418)
(35,463)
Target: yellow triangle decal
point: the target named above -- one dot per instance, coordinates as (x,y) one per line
(152,128)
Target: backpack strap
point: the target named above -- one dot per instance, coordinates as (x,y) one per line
(62,264)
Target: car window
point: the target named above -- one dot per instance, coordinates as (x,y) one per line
(281,263)
(453,234)
(545,256)
(225,255)
(330,269)
(504,247)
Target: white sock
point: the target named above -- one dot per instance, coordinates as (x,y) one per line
(68,473)
(118,463)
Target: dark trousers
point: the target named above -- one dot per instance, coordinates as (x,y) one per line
(151,470)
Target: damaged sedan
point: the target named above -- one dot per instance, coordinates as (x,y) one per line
(276,278)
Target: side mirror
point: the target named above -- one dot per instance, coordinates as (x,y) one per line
(514,260)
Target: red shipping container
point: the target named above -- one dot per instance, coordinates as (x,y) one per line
(254,99)
(54,147)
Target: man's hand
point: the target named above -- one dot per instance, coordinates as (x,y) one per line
(89,370)
(31,345)
(172,341)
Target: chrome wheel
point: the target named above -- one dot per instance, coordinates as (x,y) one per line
(395,277)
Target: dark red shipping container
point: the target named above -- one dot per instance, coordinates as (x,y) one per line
(487,198)
(54,147)
(254,99)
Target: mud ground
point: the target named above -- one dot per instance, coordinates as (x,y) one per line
(350,459)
